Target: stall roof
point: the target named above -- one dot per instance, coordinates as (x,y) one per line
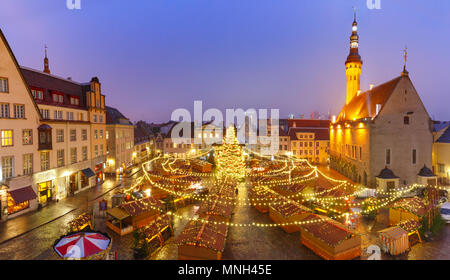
(23,194)
(118,213)
(327,230)
(393,233)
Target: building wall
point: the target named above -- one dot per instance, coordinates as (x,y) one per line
(441,162)
(390,132)
(97,117)
(18,93)
(120,147)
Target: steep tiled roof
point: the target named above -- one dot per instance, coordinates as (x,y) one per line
(331,232)
(364,104)
(319,133)
(308,123)
(48,83)
(113,116)
(445,137)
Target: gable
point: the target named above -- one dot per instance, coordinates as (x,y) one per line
(19,93)
(404,99)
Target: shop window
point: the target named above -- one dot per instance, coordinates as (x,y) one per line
(14,208)
(45,192)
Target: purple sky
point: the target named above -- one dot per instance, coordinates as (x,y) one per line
(154,56)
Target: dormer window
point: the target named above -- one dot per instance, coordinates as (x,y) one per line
(58,97)
(74,101)
(37,93)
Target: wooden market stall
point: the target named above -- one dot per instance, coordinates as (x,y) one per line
(288,211)
(412,228)
(292,191)
(159,230)
(216,207)
(127,217)
(260,198)
(407,209)
(202,240)
(82,222)
(394,240)
(329,239)
(201,166)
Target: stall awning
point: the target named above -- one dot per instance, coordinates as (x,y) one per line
(118,213)
(23,194)
(88,172)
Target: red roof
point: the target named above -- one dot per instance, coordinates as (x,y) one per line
(329,231)
(308,123)
(364,104)
(319,133)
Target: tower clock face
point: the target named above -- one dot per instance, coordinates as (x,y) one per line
(354,28)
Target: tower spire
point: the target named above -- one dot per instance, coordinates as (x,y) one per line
(46,64)
(405,58)
(353,63)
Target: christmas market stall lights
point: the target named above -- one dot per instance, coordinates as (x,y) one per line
(260,198)
(129,216)
(407,209)
(83,221)
(159,230)
(329,239)
(201,166)
(288,212)
(202,240)
(215,207)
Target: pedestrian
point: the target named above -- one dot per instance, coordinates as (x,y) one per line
(236,191)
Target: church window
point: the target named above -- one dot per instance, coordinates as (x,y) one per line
(406,120)
(414,156)
(388,156)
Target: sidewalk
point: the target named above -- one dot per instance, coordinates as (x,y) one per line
(21,225)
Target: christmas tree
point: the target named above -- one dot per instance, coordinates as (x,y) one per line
(230,156)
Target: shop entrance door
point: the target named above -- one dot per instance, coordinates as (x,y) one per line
(45,192)
(73,183)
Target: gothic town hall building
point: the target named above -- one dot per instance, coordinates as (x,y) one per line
(383,134)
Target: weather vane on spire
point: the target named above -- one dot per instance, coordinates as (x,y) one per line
(405,55)
(354,13)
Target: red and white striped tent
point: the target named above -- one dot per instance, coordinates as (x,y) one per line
(83,245)
(394,240)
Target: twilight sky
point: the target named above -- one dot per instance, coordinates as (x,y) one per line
(154,56)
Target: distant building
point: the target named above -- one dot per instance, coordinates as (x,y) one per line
(384,127)
(441,152)
(120,141)
(309,139)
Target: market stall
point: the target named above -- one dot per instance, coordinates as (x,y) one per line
(158,230)
(84,221)
(288,211)
(261,198)
(329,239)
(201,166)
(394,240)
(216,207)
(407,209)
(202,240)
(133,215)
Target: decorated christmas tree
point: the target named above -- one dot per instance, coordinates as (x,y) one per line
(230,156)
